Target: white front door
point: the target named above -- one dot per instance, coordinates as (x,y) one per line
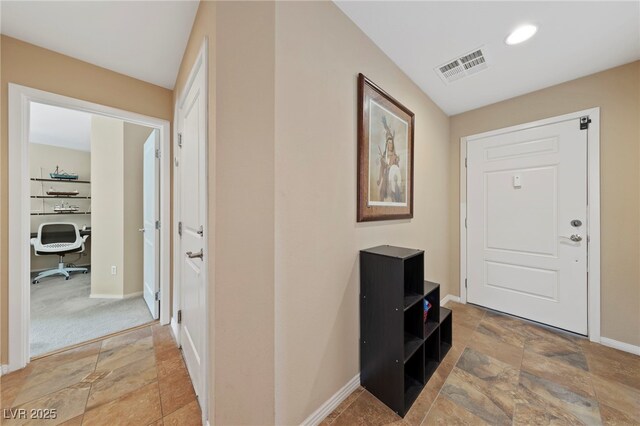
(151,203)
(192,207)
(527,222)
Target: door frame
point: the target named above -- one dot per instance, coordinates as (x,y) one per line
(201,64)
(593,207)
(19,224)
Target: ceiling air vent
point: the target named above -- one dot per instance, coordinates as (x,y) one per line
(463,66)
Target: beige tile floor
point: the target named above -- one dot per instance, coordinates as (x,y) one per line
(136,378)
(505,371)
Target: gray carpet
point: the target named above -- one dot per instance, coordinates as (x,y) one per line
(62,314)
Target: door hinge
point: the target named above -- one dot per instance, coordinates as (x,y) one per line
(465,283)
(584,122)
(465,222)
(180,228)
(179,317)
(465,161)
(157,224)
(158,153)
(157,296)
(179,140)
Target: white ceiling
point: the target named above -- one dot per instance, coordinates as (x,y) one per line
(66,128)
(141,39)
(574,39)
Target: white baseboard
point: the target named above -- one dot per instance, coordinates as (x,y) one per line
(104,296)
(175,329)
(132,295)
(115,296)
(450,298)
(4,369)
(615,344)
(332,403)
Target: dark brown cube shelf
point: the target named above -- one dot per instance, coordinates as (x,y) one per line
(399,350)
(446,331)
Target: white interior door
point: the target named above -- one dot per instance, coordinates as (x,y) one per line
(527,222)
(151,204)
(192,217)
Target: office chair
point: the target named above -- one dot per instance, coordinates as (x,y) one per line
(58,239)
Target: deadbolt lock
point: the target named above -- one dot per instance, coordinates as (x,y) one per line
(576,223)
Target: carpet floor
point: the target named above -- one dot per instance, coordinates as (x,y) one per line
(62,314)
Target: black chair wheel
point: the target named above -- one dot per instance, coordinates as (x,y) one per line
(67,278)
(85,272)
(35,282)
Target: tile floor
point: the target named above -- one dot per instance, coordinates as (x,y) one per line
(504,371)
(136,378)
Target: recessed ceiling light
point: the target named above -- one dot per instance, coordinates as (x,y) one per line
(520,34)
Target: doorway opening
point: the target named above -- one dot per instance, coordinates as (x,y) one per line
(88,184)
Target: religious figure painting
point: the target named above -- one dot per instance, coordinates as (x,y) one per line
(385,155)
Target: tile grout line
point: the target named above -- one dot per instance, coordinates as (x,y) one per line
(92,371)
(590,375)
(440,390)
(345,408)
(91,384)
(119,397)
(46,394)
(101,341)
(484,312)
(155,359)
(156,381)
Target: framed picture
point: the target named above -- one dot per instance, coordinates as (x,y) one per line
(385,155)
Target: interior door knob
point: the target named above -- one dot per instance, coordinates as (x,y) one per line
(576,238)
(141,230)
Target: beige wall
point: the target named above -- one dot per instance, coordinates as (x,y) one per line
(134,138)
(282,113)
(43,159)
(107,206)
(117,206)
(319,55)
(32,66)
(244,210)
(617,93)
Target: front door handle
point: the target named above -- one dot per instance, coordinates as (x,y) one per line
(192,255)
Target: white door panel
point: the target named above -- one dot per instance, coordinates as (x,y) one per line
(192,199)
(523,190)
(151,203)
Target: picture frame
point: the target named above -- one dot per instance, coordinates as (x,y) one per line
(385,155)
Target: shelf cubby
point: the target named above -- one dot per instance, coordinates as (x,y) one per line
(446,332)
(392,295)
(413,376)
(411,299)
(431,354)
(413,321)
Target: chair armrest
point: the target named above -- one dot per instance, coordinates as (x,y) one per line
(34,241)
(84,238)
